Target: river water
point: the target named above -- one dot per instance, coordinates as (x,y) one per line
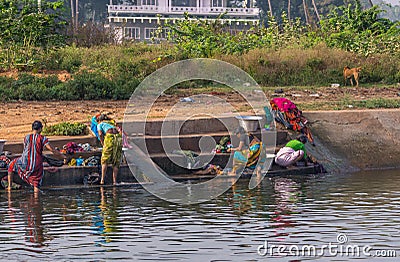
(359,209)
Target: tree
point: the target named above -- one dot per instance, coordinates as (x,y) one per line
(25,31)
(316,10)
(270,7)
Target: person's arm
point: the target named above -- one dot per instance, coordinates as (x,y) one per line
(101,138)
(9,181)
(101,135)
(55,151)
(241,143)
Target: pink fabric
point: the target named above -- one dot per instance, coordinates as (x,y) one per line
(284,104)
(287,156)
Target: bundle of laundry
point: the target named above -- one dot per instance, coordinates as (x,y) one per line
(71,148)
(223,145)
(287,113)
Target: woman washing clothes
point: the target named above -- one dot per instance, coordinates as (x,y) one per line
(292,152)
(29,166)
(247,154)
(111,140)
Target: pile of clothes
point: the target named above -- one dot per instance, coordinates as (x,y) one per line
(223,145)
(287,113)
(91,161)
(72,148)
(210,170)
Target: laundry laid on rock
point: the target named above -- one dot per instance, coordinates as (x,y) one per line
(223,145)
(52,161)
(210,170)
(71,148)
(191,157)
(92,161)
(72,162)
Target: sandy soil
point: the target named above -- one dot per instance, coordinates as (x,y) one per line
(16,117)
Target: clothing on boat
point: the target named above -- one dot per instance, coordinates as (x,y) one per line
(287,156)
(112,149)
(29,166)
(297,145)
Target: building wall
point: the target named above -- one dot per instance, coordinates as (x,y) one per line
(146,30)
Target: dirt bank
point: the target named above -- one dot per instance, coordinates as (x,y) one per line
(16,117)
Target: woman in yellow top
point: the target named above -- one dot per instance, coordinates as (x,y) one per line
(111,139)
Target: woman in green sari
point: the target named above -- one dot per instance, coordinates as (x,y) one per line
(111,139)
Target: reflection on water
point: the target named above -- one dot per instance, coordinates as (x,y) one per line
(130,224)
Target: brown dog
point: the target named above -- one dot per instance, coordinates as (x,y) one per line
(351,72)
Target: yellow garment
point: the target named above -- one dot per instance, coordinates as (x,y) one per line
(112,150)
(72,162)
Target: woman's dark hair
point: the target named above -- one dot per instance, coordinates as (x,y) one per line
(302,138)
(240,130)
(103,117)
(37,125)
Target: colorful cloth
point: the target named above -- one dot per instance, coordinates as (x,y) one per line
(223,145)
(71,148)
(297,145)
(29,166)
(248,157)
(93,127)
(286,112)
(112,150)
(287,156)
(104,126)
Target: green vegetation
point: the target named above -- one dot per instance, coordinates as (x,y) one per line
(65,129)
(27,31)
(283,53)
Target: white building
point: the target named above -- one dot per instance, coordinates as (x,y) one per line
(139,19)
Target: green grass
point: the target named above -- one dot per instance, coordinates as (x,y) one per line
(346,104)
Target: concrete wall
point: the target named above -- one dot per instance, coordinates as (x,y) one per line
(367,139)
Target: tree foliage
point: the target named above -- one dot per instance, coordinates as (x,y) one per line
(361,30)
(26,29)
(349,27)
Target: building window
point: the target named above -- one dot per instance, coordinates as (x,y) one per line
(155,33)
(149,2)
(217,3)
(132,32)
(149,32)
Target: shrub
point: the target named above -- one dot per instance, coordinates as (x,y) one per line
(125,84)
(90,85)
(65,129)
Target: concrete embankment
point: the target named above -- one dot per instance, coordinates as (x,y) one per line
(365,139)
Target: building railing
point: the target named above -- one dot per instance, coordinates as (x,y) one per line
(182,9)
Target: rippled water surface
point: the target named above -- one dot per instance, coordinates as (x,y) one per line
(130,224)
